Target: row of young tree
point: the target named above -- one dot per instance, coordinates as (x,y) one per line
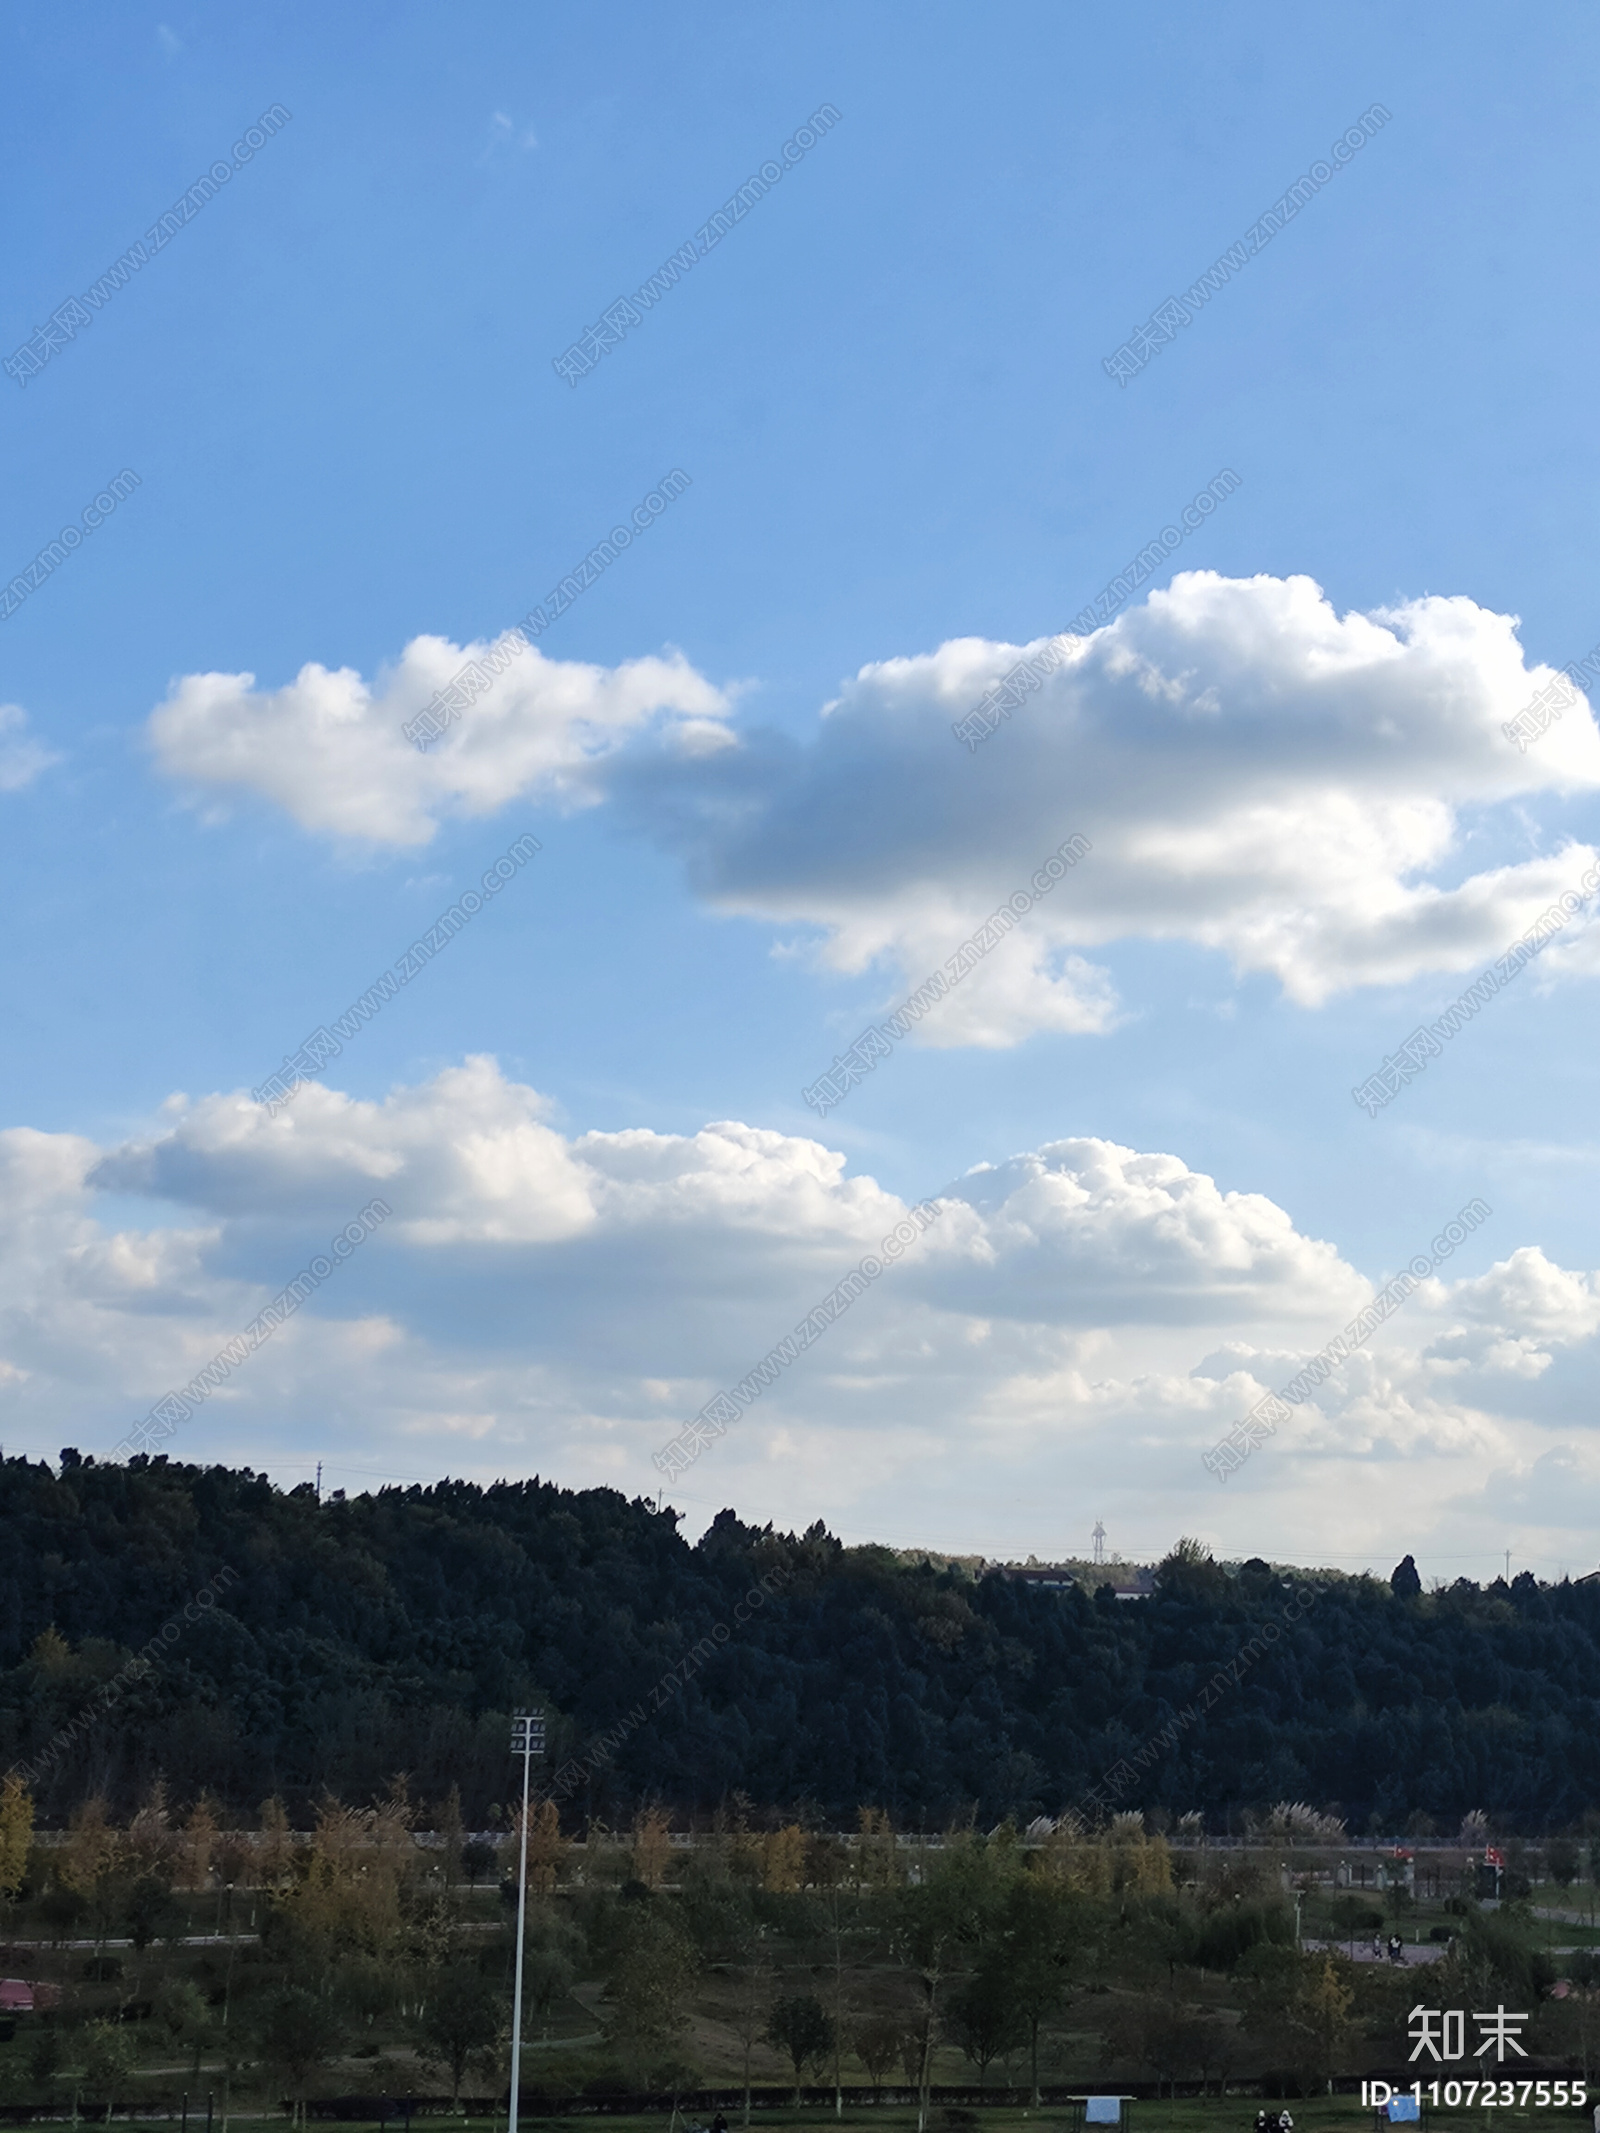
(355,1958)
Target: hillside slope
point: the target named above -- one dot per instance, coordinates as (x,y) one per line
(351,1640)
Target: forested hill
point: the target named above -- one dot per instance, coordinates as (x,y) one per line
(352,1640)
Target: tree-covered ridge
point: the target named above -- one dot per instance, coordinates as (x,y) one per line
(352,1639)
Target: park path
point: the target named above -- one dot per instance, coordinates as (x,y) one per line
(189,1940)
(1413,1954)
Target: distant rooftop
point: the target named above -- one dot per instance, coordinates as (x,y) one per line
(1129,1581)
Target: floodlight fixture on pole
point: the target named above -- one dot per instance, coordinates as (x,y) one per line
(527,1740)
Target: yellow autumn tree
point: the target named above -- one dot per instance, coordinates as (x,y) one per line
(1073,1859)
(652,1848)
(200,1834)
(150,1840)
(1140,1861)
(876,1855)
(1148,1867)
(451,1831)
(389,1833)
(1322,2012)
(275,1847)
(347,1891)
(92,1851)
(16,1834)
(546,1847)
(51,1654)
(89,1861)
(783,1861)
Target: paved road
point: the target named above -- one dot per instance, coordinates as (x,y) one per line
(1413,1955)
(189,1940)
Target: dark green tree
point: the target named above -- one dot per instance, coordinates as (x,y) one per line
(478,1859)
(983,2017)
(46,2056)
(647,1991)
(1404,1580)
(460,2014)
(940,1924)
(152,1912)
(878,2042)
(1497,1955)
(555,1950)
(1190,1573)
(109,2055)
(801,2027)
(182,2012)
(297,2033)
(1048,1934)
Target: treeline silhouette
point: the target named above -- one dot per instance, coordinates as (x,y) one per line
(349,1640)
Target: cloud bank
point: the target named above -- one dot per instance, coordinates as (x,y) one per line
(1077,1326)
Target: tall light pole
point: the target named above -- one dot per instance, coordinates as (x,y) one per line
(527,1740)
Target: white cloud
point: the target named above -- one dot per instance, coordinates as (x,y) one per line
(1257,775)
(1084,1232)
(1515,1317)
(21,759)
(328,746)
(1078,1324)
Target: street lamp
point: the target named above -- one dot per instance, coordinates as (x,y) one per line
(527,1740)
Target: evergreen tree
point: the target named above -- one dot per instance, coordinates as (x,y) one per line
(1403,1579)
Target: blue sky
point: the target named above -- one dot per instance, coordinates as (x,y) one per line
(335,386)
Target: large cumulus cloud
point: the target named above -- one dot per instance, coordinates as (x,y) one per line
(1257,775)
